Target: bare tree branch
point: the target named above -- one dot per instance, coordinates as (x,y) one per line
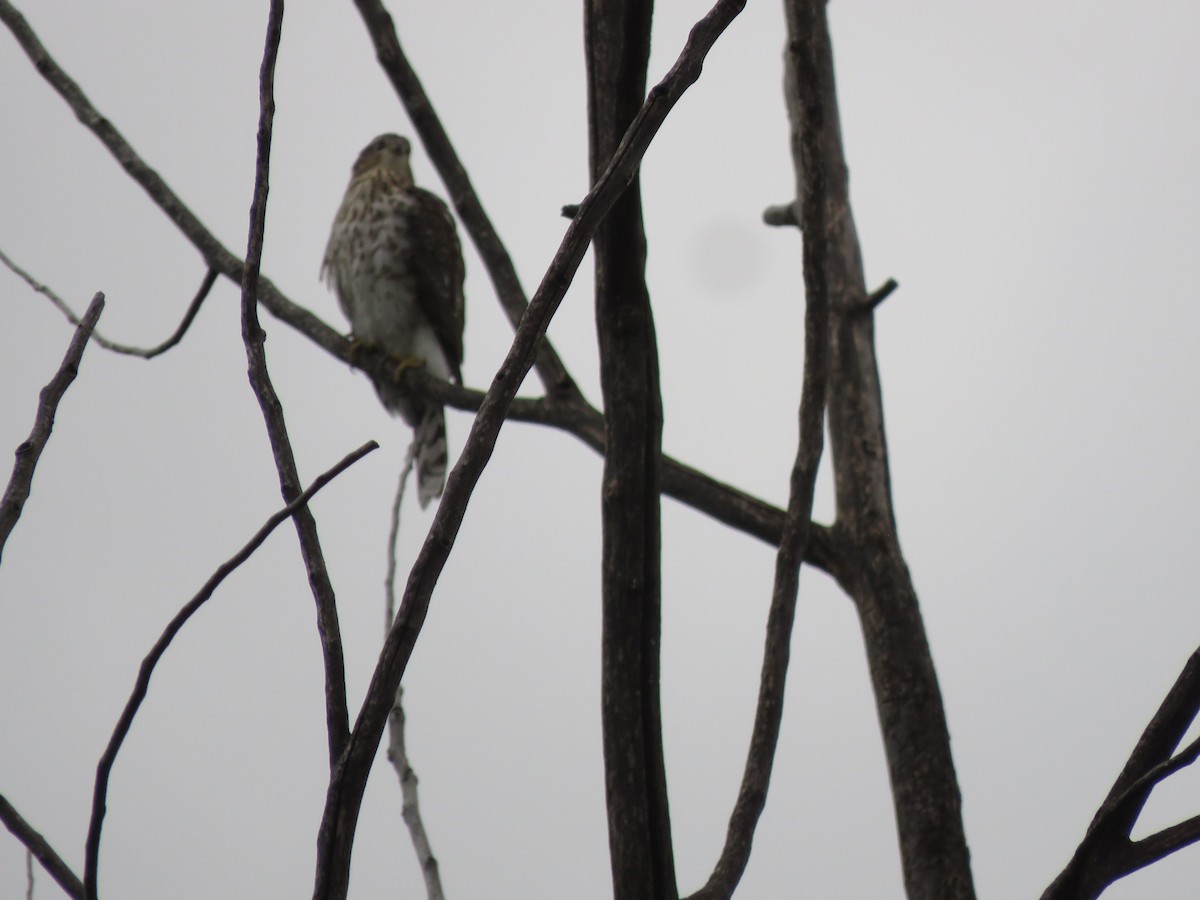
(189,315)
(1106,852)
(336,708)
(411,805)
(912,716)
(41,849)
(793,547)
(642,859)
(146,670)
(215,254)
(30,450)
(344,797)
(397,752)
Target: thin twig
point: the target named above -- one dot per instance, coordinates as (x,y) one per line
(30,450)
(389,582)
(41,849)
(215,254)
(344,797)
(793,547)
(142,683)
(210,278)
(880,294)
(336,708)
(410,805)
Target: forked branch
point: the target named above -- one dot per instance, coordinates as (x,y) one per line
(146,670)
(1107,852)
(189,315)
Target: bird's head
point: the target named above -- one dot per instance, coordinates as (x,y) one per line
(388,151)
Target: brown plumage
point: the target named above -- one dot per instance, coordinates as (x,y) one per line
(395,262)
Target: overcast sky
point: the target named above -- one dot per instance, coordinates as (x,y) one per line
(1027,172)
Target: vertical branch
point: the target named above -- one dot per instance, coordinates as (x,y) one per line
(925,793)
(793,549)
(397,752)
(617,38)
(336,712)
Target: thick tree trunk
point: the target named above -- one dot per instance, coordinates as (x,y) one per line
(912,719)
(618,47)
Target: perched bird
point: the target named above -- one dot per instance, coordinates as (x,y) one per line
(395,262)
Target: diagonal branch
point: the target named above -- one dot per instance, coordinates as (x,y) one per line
(215,254)
(146,670)
(41,849)
(344,797)
(1106,852)
(30,450)
(61,305)
(336,708)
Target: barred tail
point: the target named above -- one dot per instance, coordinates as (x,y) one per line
(432,457)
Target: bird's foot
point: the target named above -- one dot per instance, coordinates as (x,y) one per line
(358,347)
(410,362)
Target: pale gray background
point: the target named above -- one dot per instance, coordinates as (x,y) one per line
(1027,171)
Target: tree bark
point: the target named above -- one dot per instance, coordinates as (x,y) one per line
(617,34)
(912,719)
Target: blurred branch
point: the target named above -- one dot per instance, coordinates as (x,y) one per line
(690,486)
(344,797)
(410,803)
(30,450)
(41,849)
(1106,852)
(336,707)
(210,278)
(478,225)
(410,808)
(142,684)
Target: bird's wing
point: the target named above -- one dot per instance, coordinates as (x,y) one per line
(437,265)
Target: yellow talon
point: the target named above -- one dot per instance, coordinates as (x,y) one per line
(411,362)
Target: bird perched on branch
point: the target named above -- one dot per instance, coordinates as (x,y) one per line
(395,262)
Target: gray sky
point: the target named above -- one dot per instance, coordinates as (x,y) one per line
(1025,170)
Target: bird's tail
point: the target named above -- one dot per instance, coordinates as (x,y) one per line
(432,457)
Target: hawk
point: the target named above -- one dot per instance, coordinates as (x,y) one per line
(395,262)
